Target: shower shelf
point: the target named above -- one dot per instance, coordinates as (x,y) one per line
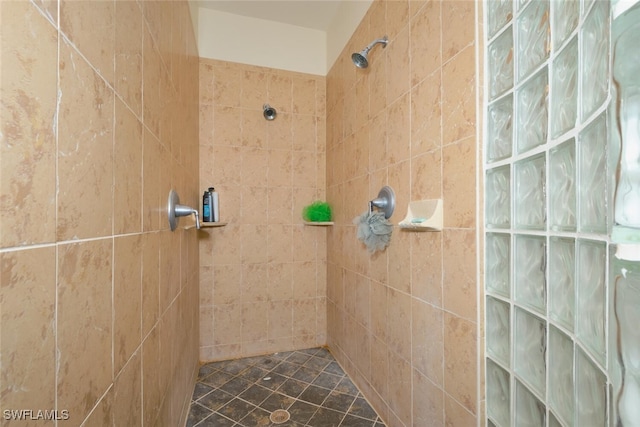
(319,223)
(423,215)
(212,224)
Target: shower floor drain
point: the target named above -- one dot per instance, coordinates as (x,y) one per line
(279,416)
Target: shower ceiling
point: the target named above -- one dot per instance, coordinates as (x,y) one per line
(316,14)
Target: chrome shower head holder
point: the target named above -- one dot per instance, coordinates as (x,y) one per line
(360,58)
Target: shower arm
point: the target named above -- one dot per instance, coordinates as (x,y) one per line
(383,40)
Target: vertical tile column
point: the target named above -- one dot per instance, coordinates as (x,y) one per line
(547,197)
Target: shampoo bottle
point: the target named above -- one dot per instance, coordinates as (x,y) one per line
(215,210)
(206,207)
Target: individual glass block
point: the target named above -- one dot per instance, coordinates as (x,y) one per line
(530,272)
(499,13)
(553,421)
(594,66)
(498,394)
(533,36)
(530,193)
(498,263)
(624,341)
(532,112)
(529,350)
(566,14)
(498,197)
(498,330)
(562,281)
(562,187)
(561,374)
(591,393)
(530,411)
(500,59)
(500,138)
(564,90)
(592,166)
(591,270)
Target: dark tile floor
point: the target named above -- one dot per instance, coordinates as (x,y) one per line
(309,384)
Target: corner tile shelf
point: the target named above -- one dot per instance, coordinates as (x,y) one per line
(319,223)
(212,224)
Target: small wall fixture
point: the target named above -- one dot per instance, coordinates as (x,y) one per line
(360,58)
(269,112)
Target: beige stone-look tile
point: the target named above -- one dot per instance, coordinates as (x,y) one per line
(226,247)
(426,267)
(150,280)
(362,106)
(280,281)
(255,205)
(85,150)
(127,297)
(398,64)
(84,324)
(305,169)
(456,415)
(169,268)
(227,161)
(226,286)
(254,321)
(307,133)
(206,329)
(27,341)
(428,402)
(459,282)
(363,301)
(304,280)
(280,243)
(254,283)
(349,107)
(280,132)
(128,54)
(397,17)
(152,395)
(460,356)
(304,317)
(280,319)
(228,126)
(280,164)
(306,241)
(459,32)
(102,413)
(151,87)
(205,276)
(254,129)
(28,46)
(399,326)
(280,91)
(426,115)
(379,367)
(127,173)
(400,260)
(400,389)
(227,87)
(253,240)
(398,128)
(458,96)
(379,313)
(254,90)
(426,176)
(90,26)
(458,184)
(378,81)
(49,8)
(153,202)
(427,340)
(426,37)
(226,327)
(304,95)
(127,393)
(280,205)
(206,81)
(254,167)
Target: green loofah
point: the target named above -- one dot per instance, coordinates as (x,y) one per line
(317,212)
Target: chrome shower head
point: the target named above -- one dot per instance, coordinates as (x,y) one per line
(269,112)
(360,58)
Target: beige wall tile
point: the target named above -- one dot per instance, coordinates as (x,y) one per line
(458,99)
(398,61)
(84,324)
(459,186)
(27,302)
(427,340)
(90,26)
(127,393)
(460,355)
(85,150)
(426,114)
(426,267)
(426,28)
(127,297)
(128,54)
(399,326)
(28,45)
(459,31)
(459,273)
(456,414)
(428,402)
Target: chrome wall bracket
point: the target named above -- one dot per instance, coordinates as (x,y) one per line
(176,210)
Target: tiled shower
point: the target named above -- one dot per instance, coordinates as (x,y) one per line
(549,182)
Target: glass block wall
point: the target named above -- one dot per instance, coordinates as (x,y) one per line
(548,194)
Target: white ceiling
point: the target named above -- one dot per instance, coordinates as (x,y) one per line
(315,14)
